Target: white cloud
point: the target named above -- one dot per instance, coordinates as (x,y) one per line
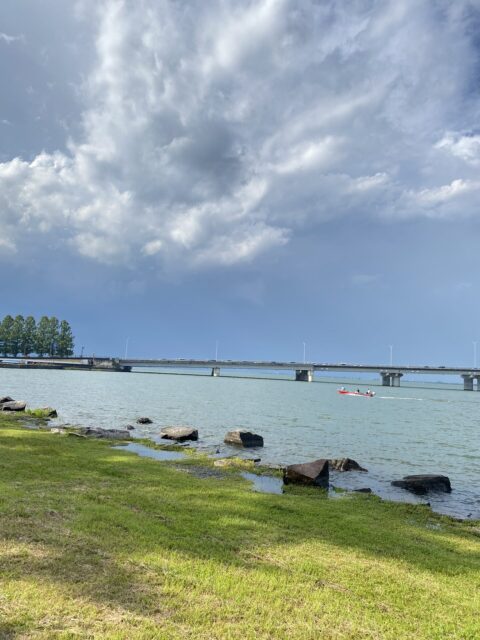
(4,37)
(212,131)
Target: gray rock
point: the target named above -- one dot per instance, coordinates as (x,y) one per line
(5,399)
(363,490)
(14,406)
(243,438)
(57,430)
(144,421)
(130,427)
(345,464)
(314,473)
(422,484)
(111,434)
(180,434)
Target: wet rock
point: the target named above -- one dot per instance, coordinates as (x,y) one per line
(111,434)
(144,421)
(363,490)
(4,399)
(345,464)
(130,427)
(422,484)
(180,434)
(243,438)
(14,406)
(314,473)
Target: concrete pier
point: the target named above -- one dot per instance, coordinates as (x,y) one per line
(215,372)
(468,382)
(304,375)
(391,378)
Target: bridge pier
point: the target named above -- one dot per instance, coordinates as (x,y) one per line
(304,375)
(215,372)
(468,382)
(391,378)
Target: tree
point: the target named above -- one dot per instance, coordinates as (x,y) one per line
(53,333)
(16,338)
(28,339)
(42,336)
(65,340)
(6,335)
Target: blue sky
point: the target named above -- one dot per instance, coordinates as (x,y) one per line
(258,173)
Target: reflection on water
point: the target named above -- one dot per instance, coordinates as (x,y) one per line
(264,484)
(401,431)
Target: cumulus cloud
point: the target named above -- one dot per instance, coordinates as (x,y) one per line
(212,131)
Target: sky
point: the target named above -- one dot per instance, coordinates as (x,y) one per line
(257,174)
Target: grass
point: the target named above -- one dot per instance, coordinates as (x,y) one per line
(97,542)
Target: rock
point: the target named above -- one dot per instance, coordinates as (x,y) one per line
(76,435)
(14,406)
(6,399)
(112,434)
(130,427)
(180,434)
(144,421)
(243,438)
(345,464)
(49,412)
(56,430)
(363,490)
(422,484)
(310,473)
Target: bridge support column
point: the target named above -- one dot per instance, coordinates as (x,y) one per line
(396,379)
(304,375)
(467,382)
(215,372)
(386,379)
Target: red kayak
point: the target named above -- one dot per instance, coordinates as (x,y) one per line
(344,392)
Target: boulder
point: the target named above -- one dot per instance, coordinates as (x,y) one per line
(111,434)
(14,406)
(130,427)
(243,438)
(144,421)
(422,484)
(363,490)
(4,399)
(180,434)
(309,473)
(345,464)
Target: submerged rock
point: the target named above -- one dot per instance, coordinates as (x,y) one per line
(243,438)
(314,473)
(144,421)
(111,434)
(345,464)
(363,490)
(180,434)
(14,406)
(422,484)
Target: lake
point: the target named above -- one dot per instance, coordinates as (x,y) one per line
(402,431)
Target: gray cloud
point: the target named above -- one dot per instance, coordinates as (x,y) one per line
(211,132)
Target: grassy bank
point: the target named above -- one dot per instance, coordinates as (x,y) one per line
(99,543)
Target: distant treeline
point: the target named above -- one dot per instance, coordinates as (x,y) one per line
(48,337)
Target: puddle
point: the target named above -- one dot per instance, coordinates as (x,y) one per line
(264,484)
(146,452)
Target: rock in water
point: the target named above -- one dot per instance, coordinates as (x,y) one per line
(180,434)
(422,484)
(345,464)
(4,399)
(243,438)
(310,473)
(113,434)
(14,406)
(144,421)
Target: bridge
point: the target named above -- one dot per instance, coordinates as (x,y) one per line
(304,372)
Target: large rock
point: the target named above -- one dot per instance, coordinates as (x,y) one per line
(345,464)
(422,484)
(14,406)
(4,399)
(111,434)
(180,434)
(310,473)
(144,421)
(243,438)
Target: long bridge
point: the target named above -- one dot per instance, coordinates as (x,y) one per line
(304,371)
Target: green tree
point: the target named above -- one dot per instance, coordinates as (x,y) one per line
(65,341)
(6,335)
(42,336)
(17,335)
(28,340)
(53,334)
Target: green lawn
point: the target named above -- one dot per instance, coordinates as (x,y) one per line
(100,543)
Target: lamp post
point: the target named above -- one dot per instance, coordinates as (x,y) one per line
(475,354)
(391,354)
(81,354)
(126,348)
(216,350)
(304,352)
